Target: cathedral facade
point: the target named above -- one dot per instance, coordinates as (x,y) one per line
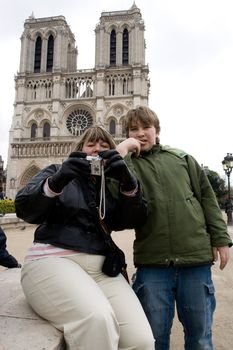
(55,102)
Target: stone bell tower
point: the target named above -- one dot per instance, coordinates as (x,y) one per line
(55,102)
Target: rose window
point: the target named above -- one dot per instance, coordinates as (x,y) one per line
(78,121)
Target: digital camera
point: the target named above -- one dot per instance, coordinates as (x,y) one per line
(96,165)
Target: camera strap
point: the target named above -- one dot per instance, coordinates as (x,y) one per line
(102,195)
(98,216)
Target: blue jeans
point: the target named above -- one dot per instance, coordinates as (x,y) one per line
(192,289)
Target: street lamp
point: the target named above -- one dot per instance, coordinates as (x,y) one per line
(227,167)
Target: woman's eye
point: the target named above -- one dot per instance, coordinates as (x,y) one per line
(105,145)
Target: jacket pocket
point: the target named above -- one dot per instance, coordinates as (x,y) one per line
(196,208)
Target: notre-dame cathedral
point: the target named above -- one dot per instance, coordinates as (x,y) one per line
(55,102)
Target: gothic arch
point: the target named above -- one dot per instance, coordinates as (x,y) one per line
(111,27)
(125,26)
(50,53)
(38,54)
(36,33)
(38,115)
(49,32)
(28,174)
(33,130)
(43,121)
(32,121)
(125,47)
(113,49)
(117,111)
(46,132)
(112,124)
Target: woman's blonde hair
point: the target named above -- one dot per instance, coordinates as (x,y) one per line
(143,115)
(93,134)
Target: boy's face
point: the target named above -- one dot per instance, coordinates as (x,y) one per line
(145,134)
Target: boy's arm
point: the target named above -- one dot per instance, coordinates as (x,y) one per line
(202,188)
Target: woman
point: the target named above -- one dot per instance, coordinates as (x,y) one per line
(62,276)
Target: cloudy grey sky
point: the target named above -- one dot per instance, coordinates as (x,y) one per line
(190,56)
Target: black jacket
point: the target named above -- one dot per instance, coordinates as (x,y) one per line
(70,220)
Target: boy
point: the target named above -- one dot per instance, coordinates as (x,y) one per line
(182,237)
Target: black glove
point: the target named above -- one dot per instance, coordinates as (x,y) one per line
(75,166)
(116,168)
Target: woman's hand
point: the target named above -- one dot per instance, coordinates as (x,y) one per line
(116,168)
(75,166)
(129,145)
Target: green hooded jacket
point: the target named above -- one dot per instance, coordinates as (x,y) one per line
(184,219)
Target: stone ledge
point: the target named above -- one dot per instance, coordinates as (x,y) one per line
(11,221)
(20,327)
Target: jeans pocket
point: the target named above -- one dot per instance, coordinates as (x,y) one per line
(210,288)
(210,306)
(138,288)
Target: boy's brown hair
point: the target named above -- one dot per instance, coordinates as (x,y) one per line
(143,115)
(95,133)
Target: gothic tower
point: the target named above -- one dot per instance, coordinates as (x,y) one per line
(55,102)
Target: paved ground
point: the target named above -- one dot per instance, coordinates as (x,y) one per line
(20,239)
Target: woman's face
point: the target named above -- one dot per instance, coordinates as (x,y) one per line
(146,135)
(92,148)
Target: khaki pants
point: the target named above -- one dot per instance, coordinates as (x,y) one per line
(93,311)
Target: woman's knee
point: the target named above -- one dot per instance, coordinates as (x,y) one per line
(97,328)
(137,338)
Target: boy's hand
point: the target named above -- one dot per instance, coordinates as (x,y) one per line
(223,253)
(129,145)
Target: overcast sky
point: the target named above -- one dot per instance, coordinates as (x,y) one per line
(190,56)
